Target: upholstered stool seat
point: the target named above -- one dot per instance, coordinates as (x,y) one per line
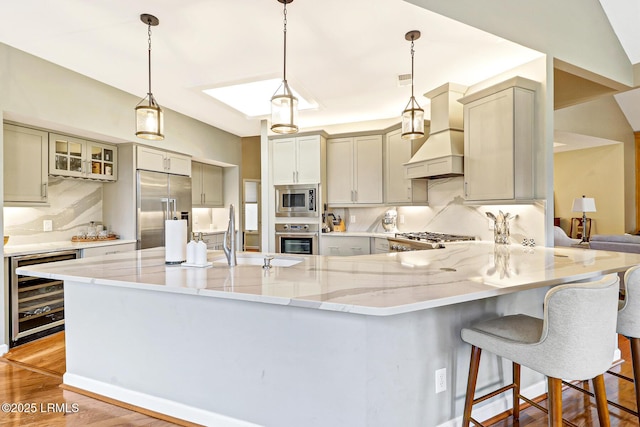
(629,323)
(575,340)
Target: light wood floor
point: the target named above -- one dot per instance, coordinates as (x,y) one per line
(32,373)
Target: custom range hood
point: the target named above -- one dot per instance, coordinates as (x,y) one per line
(442,153)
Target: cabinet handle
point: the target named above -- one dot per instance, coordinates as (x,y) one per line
(409,193)
(204,198)
(466,193)
(44,190)
(355,194)
(168,164)
(297,177)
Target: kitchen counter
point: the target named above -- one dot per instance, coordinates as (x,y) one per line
(381,284)
(339,341)
(36,248)
(358,234)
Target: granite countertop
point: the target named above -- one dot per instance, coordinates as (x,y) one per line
(380,284)
(36,248)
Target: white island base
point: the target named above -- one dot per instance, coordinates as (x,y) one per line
(225,362)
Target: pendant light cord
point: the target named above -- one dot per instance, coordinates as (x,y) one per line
(149,33)
(412,51)
(284,31)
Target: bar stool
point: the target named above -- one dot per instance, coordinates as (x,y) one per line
(574,340)
(629,324)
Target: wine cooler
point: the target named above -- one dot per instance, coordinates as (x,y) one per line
(36,304)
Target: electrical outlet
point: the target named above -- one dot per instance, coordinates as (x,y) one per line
(492,224)
(441,380)
(401,219)
(353,219)
(47,225)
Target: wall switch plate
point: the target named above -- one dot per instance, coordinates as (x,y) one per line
(353,219)
(47,225)
(491,224)
(401,219)
(441,380)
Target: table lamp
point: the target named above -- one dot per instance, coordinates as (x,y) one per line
(584,204)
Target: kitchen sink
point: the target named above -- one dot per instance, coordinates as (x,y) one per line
(245,259)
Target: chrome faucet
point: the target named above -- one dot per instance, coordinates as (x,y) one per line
(229,244)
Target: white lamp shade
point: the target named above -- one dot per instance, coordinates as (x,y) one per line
(584,204)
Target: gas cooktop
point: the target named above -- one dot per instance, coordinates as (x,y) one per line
(423,240)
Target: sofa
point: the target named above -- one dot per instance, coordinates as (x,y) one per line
(616,242)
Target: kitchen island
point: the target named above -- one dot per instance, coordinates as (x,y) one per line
(324,341)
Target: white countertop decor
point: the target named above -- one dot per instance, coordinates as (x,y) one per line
(381,284)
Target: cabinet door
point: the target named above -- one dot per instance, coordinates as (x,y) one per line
(102,161)
(212,186)
(25,165)
(340,161)
(489,150)
(197,197)
(284,161)
(308,160)
(178,164)
(368,169)
(397,189)
(67,156)
(150,159)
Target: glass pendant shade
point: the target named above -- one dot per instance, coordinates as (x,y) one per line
(412,120)
(284,110)
(149,119)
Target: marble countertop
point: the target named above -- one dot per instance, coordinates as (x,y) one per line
(37,248)
(358,234)
(379,284)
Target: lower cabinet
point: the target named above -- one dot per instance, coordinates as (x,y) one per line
(345,245)
(107,250)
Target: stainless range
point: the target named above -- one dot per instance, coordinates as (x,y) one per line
(423,240)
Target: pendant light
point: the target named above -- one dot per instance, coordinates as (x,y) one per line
(149,115)
(284,106)
(413,115)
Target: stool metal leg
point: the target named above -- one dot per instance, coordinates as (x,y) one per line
(635,358)
(601,400)
(555,402)
(516,391)
(471,385)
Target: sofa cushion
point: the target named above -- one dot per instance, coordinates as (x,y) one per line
(615,242)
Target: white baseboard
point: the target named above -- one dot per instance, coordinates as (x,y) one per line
(501,405)
(4,348)
(153,403)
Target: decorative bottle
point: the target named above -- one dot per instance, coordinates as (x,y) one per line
(191,250)
(201,251)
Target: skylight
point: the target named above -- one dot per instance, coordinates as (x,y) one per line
(253,98)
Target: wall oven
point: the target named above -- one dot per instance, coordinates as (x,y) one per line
(36,304)
(301,239)
(296,200)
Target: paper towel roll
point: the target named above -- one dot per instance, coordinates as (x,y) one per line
(175,241)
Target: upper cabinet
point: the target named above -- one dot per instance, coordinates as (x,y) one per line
(354,171)
(153,159)
(499,139)
(297,160)
(25,165)
(399,190)
(207,185)
(74,157)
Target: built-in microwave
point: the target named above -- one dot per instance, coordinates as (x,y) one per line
(296,200)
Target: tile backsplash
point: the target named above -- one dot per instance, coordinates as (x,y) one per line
(72,205)
(447,213)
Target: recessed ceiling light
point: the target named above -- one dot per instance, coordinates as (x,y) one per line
(253,98)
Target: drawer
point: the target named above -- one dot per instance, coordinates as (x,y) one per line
(107,250)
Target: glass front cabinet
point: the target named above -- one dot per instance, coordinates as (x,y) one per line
(74,157)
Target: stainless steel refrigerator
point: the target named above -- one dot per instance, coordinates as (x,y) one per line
(161,196)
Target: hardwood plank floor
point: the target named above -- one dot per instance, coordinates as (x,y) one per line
(32,374)
(30,378)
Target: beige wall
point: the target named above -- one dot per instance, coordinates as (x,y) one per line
(594,172)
